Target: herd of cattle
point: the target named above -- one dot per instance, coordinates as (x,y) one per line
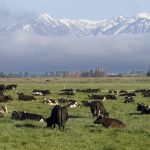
(59,115)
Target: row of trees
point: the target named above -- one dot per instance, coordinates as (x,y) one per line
(148,72)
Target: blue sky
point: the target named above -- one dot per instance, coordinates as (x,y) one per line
(74,9)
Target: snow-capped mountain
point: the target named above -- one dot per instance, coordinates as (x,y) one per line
(47,25)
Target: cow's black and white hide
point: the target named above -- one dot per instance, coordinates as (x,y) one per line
(73,104)
(50,102)
(21,115)
(128,99)
(11,87)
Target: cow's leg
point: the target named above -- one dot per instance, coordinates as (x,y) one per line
(54,125)
(63,125)
(59,126)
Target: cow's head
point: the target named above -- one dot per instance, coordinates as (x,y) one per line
(99,119)
(49,121)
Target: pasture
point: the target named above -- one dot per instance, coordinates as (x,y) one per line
(80,131)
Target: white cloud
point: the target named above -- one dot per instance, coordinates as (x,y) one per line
(35,53)
(8,17)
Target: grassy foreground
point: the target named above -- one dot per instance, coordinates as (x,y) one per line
(80,132)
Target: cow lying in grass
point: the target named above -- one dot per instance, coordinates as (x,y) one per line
(67,93)
(109,122)
(59,115)
(102,97)
(89,90)
(21,115)
(50,101)
(41,92)
(67,90)
(11,87)
(24,97)
(128,99)
(5,98)
(145,109)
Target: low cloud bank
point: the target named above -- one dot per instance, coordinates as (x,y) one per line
(30,52)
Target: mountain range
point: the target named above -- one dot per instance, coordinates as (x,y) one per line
(47,25)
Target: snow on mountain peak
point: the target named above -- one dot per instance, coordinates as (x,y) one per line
(45,24)
(46,17)
(144,15)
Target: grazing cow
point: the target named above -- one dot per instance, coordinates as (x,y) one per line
(86,103)
(49,101)
(41,92)
(4,98)
(2,87)
(98,108)
(59,116)
(3,109)
(128,99)
(11,87)
(109,122)
(23,97)
(21,115)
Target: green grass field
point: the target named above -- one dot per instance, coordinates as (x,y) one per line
(80,132)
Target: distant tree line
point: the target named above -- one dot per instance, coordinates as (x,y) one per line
(148,72)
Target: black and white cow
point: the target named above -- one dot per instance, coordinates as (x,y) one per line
(98,108)
(24,97)
(41,92)
(2,87)
(73,104)
(5,98)
(11,87)
(128,99)
(50,101)
(21,115)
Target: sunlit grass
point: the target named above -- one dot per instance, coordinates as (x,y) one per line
(80,132)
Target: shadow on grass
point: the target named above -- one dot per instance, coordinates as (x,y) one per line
(26,126)
(76,117)
(135,113)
